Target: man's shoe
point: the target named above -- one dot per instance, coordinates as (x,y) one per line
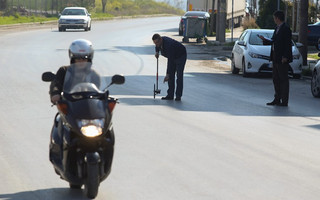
(273,103)
(167,98)
(283,104)
(178,99)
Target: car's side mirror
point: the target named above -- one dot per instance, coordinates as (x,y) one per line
(241,43)
(48,76)
(299,45)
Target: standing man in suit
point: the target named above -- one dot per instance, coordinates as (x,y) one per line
(281,56)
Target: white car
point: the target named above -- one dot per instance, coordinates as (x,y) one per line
(250,55)
(315,81)
(74,18)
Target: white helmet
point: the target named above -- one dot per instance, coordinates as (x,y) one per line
(81,49)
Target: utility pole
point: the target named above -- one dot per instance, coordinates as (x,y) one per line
(212,18)
(232,23)
(316,17)
(303,34)
(221,20)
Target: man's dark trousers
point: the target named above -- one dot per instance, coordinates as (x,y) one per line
(281,81)
(176,66)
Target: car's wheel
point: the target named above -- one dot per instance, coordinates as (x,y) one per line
(185,39)
(60,29)
(315,90)
(199,40)
(234,70)
(244,71)
(296,76)
(180,32)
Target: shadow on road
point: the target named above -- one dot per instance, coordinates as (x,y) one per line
(220,92)
(48,194)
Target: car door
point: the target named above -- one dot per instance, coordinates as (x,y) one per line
(238,49)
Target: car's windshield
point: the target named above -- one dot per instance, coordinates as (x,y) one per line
(81,78)
(255,40)
(73,12)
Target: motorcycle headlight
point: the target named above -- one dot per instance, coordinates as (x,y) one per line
(91,127)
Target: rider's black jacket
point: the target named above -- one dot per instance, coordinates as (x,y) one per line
(56,85)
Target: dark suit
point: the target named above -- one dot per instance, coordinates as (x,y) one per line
(281,48)
(177,56)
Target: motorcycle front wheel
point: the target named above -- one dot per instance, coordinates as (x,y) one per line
(92,182)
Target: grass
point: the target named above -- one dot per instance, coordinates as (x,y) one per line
(17,19)
(313,56)
(114,8)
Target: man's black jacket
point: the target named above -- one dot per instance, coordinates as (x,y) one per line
(282,44)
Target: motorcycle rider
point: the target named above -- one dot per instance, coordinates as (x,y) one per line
(81,55)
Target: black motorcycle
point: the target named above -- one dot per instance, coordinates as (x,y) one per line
(82,137)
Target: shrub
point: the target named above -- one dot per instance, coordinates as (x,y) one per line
(249,23)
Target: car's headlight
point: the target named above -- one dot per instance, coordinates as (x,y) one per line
(62,20)
(255,55)
(91,127)
(296,57)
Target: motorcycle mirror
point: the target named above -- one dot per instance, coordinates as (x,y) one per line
(117,79)
(48,76)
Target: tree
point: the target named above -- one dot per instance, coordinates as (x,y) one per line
(3,4)
(104,3)
(266,10)
(303,30)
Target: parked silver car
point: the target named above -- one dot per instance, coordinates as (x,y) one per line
(74,18)
(250,55)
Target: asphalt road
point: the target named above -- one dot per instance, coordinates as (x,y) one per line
(221,142)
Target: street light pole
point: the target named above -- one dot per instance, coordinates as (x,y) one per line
(232,22)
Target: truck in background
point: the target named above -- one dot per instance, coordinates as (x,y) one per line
(239,9)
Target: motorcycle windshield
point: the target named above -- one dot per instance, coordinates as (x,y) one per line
(80,77)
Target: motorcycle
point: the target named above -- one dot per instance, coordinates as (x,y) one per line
(82,137)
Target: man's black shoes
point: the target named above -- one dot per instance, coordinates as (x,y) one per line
(273,103)
(277,103)
(171,98)
(167,98)
(283,104)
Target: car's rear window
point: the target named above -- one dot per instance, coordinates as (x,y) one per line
(73,12)
(255,40)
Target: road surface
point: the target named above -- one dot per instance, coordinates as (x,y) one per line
(221,142)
